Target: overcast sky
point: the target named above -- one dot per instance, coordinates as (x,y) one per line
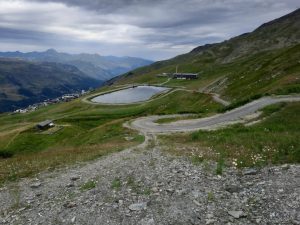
(153,29)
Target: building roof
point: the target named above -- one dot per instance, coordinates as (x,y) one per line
(185,74)
(44,123)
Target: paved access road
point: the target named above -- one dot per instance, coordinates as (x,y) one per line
(148,125)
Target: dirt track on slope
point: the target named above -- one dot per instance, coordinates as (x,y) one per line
(148,125)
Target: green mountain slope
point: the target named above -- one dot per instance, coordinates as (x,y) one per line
(263,61)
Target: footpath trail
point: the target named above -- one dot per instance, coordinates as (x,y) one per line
(148,125)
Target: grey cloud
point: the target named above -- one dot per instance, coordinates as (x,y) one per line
(27,35)
(140,27)
(107,6)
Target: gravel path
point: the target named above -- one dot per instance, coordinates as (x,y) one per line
(148,125)
(147,186)
(217,98)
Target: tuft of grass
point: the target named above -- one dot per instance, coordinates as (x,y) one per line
(130,181)
(16,197)
(220,166)
(210,196)
(137,188)
(88,185)
(147,191)
(197,160)
(116,184)
(132,184)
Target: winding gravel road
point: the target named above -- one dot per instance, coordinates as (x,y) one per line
(148,125)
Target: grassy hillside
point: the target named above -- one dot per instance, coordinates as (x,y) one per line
(83,131)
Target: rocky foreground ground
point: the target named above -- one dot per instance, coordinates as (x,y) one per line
(146,186)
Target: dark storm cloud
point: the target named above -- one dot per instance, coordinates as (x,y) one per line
(174,13)
(140,27)
(25,35)
(105,6)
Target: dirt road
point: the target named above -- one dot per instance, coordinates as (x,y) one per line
(148,125)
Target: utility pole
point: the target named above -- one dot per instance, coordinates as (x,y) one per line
(176,68)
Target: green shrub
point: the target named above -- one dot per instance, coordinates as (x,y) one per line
(6,154)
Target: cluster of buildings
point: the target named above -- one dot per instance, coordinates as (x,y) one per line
(180,76)
(185,76)
(63,98)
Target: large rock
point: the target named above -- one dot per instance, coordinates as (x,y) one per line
(36,185)
(236,214)
(250,171)
(138,206)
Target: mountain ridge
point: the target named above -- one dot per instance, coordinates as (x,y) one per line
(94,65)
(269,55)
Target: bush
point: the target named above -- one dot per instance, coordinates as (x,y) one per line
(293,89)
(6,154)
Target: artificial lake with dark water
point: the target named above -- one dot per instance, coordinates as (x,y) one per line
(129,95)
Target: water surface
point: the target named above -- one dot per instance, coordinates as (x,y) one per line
(129,95)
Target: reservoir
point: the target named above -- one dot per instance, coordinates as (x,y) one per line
(129,95)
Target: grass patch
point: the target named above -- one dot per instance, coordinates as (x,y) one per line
(88,185)
(273,141)
(210,196)
(116,184)
(267,111)
(136,187)
(220,166)
(197,160)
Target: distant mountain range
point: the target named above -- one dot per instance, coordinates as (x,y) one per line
(27,78)
(96,66)
(23,83)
